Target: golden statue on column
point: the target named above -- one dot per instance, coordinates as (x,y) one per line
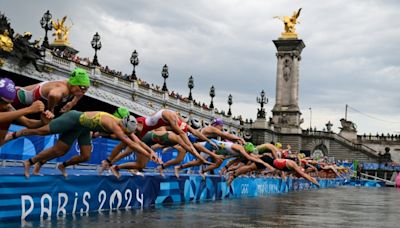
(61,32)
(289,23)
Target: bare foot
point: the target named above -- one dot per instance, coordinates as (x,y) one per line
(136,172)
(36,169)
(161,171)
(176,170)
(27,166)
(104,165)
(202,174)
(61,167)
(230,179)
(115,172)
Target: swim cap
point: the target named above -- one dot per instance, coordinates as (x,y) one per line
(249,147)
(121,112)
(194,123)
(129,123)
(79,77)
(7,89)
(278,145)
(217,121)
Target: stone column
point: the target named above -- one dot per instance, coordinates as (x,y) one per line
(286,112)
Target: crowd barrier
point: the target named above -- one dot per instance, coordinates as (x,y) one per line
(84,191)
(365,183)
(382,166)
(48,196)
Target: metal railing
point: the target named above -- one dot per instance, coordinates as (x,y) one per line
(357,146)
(369,177)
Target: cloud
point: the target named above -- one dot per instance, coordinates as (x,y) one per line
(351,54)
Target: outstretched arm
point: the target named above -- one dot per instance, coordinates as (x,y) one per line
(116,129)
(31,123)
(149,150)
(296,168)
(251,158)
(12,114)
(53,98)
(71,104)
(228,136)
(199,135)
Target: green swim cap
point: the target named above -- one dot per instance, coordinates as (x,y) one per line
(121,112)
(79,77)
(249,147)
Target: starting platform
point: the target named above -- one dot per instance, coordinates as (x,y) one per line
(84,191)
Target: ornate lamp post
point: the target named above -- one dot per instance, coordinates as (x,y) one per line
(96,45)
(165,74)
(262,100)
(212,95)
(46,24)
(191,86)
(310,118)
(134,62)
(230,103)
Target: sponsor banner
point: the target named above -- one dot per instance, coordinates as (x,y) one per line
(53,196)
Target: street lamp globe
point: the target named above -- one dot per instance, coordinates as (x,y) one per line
(96,45)
(212,95)
(165,74)
(134,61)
(191,86)
(47,25)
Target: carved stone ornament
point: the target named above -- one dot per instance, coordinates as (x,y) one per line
(287,65)
(348,125)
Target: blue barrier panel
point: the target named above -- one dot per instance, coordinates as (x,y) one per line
(365,183)
(53,195)
(26,147)
(382,166)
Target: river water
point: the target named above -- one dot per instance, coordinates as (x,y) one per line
(334,207)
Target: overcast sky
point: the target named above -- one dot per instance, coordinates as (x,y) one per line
(351,55)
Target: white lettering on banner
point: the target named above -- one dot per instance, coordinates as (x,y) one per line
(75,202)
(43,209)
(117,194)
(261,189)
(245,189)
(128,196)
(86,195)
(102,199)
(140,200)
(25,212)
(81,205)
(62,208)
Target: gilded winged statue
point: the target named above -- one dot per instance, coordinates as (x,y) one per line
(61,31)
(290,23)
(6,34)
